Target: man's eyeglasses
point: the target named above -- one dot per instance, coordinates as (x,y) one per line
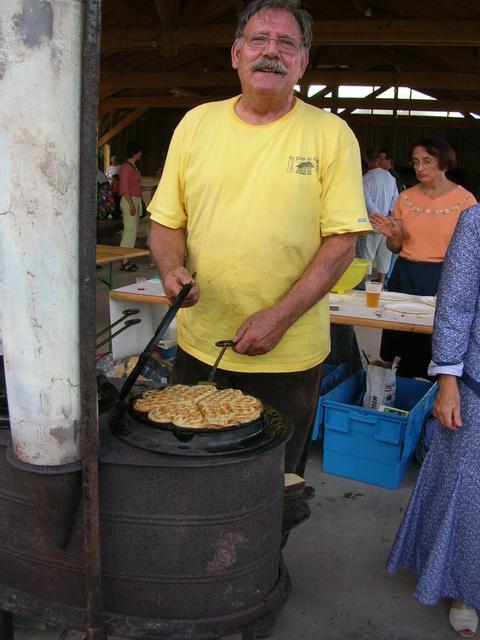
(259,41)
(427,162)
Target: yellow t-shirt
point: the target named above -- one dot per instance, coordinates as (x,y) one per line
(256,201)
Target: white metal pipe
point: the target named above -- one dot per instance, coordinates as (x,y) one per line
(40,58)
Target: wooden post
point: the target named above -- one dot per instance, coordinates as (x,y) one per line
(106,157)
(6,625)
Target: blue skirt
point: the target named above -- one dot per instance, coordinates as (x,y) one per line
(438,537)
(414,349)
(416,278)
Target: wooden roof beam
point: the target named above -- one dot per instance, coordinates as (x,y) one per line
(371,95)
(187,101)
(413,121)
(163,11)
(362,6)
(446,33)
(392,104)
(415,79)
(154,102)
(120,126)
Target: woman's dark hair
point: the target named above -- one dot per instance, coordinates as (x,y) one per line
(132,149)
(303,18)
(440,149)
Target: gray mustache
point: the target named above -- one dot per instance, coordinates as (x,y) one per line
(269,64)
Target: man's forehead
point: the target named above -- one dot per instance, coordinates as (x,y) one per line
(274,19)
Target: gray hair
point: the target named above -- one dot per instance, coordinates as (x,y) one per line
(303,18)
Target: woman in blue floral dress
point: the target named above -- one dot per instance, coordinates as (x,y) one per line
(439,537)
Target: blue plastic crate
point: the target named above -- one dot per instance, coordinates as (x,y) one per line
(369,445)
(332,375)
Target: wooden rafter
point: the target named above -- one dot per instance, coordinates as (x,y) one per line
(414,121)
(370,102)
(414,79)
(163,11)
(329,33)
(185,6)
(361,6)
(350,104)
(158,102)
(123,124)
(370,96)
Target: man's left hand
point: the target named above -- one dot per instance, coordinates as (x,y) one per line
(260,333)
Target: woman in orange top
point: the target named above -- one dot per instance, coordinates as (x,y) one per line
(420,229)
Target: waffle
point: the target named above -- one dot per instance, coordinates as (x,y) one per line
(198,407)
(227,413)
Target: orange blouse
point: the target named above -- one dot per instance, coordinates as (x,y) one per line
(428,224)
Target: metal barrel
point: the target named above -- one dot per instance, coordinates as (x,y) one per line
(185,541)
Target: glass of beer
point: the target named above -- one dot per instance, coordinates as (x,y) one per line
(372,293)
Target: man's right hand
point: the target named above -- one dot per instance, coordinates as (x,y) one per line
(175,280)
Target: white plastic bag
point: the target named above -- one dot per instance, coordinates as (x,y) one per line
(381,384)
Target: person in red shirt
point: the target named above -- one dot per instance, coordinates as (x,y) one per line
(130,200)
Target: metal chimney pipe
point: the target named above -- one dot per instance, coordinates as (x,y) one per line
(40,56)
(88,231)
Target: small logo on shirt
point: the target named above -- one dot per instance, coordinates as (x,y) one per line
(301,165)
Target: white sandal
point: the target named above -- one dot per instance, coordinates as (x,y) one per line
(464,620)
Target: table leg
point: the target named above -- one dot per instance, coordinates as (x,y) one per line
(109,280)
(6,625)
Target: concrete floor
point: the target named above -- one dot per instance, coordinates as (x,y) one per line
(336,559)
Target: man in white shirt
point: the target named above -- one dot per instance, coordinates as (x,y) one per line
(114,168)
(380,192)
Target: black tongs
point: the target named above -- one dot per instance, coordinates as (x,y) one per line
(159,333)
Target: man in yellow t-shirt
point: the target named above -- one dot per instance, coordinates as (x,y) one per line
(263,195)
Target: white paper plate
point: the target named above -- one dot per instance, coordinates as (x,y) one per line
(430,300)
(393,296)
(413,308)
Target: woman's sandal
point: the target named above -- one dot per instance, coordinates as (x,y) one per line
(464,620)
(129,267)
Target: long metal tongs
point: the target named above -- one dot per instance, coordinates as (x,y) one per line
(159,333)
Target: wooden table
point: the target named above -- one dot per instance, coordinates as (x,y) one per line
(138,297)
(350,309)
(106,254)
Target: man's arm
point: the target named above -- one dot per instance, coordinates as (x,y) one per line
(394,198)
(262,331)
(369,200)
(167,247)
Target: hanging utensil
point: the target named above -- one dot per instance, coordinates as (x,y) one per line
(128,323)
(126,314)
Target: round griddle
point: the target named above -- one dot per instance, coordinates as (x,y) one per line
(135,428)
(237,433)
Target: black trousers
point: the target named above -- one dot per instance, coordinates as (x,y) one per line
(294,394)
